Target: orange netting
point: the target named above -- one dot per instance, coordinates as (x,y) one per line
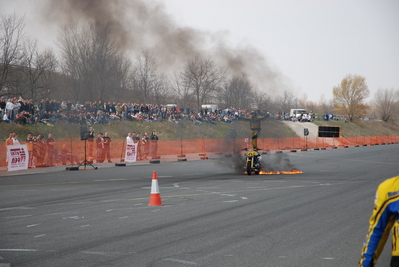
(72,151)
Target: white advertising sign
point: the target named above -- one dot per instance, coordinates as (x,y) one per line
(131,152)
(18,157)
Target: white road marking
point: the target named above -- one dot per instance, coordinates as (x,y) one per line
(229,201)
(32,225)
(63,189)
(59,213)
(20,216)
(104,253)
(17,208)
(87,225)
(73,217)
(39,236)
(96,253)
(182,261)
(18,250)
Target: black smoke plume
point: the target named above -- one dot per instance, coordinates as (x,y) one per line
(144,25)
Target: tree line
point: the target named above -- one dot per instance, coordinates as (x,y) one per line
(91,67)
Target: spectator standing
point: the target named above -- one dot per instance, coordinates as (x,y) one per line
(154,144)
(107,147)
(46,105)
(15,140)
(145,141)
(137,140)
(50,149)
(69,106)
(100,148)
(78,107)
(64,105)
(15,110)
(10,108)
(9,142)
(29,146)
(129,139)
(90,141)
(2,106)
(39,150)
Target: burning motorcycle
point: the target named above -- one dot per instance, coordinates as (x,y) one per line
(253,162)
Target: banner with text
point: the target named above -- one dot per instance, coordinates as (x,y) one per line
(131,152)
(18,157)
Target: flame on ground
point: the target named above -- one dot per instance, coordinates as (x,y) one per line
(280,172)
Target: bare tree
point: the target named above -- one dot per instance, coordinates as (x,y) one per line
(287,101)
(237,92)
(95,68)
(75,51)
(262,100)
(11,39)
(37,72)
(385,100)
(311,106)
(148,83)
(204,78)
(181,91)
(162,90)
(349,96)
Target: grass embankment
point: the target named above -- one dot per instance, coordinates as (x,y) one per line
(363,128)
(166,130)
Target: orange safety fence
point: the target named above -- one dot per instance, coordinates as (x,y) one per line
(71,151)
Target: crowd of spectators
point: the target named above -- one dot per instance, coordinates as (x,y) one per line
(25,111)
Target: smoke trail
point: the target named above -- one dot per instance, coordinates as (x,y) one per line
(140,25)
(276,162)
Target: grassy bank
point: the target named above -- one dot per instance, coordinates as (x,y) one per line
(363,128)
(187,130)
(167,130)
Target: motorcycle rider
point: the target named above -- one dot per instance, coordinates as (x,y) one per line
(255,125)
(385,217)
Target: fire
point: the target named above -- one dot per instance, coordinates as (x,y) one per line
(280,172)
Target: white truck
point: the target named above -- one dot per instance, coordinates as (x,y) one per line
(295,113)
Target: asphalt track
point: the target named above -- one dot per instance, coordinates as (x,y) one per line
(212,215)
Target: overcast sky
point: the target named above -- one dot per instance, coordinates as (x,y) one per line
(314,44)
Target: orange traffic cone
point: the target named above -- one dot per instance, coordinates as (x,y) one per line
(155,197)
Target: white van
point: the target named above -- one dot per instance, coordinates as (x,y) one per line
(297,112)
(211,107)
